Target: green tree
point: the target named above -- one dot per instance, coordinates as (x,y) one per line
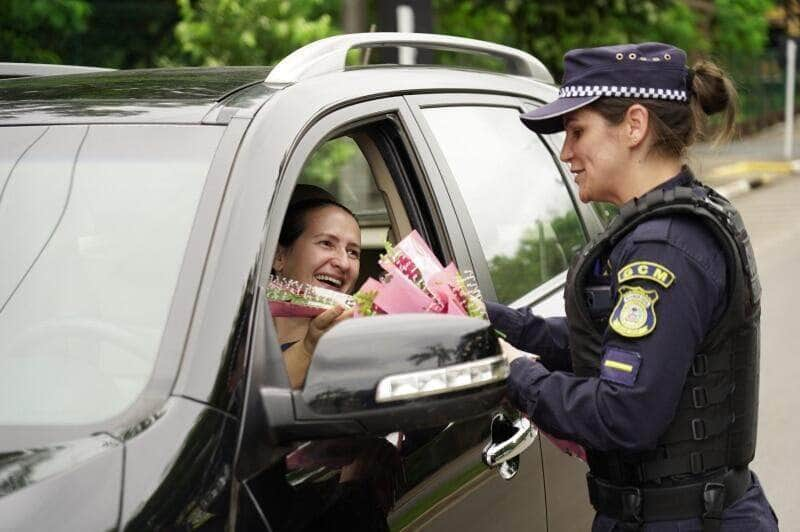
(246,32)
(549,29)
(36,30)
(740,27)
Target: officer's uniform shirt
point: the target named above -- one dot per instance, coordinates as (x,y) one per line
(648,345)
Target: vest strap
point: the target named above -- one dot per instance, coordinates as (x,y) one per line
(702,365)
(698,429)
(694,463)
(704,500)
(700,396)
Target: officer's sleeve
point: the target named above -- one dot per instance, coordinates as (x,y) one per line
(546,337)
(646,355)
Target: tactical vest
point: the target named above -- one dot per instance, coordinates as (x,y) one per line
(715,424)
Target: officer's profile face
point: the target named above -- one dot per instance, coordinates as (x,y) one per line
(596,154)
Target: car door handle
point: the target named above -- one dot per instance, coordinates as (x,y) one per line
(509,440)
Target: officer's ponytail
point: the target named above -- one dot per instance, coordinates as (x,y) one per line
(713,92)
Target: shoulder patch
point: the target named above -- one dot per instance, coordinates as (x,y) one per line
(634,315)
(620,366)
(652,271)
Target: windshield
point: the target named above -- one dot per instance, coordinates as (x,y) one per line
(94,222)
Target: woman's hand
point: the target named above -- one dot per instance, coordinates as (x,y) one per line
(511,353)
(321,324)
(298,356)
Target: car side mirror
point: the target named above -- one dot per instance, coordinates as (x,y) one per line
(403,372)
(376,375)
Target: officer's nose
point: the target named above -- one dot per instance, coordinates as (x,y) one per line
(566,151)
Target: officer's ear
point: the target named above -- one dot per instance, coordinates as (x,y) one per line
(636,125)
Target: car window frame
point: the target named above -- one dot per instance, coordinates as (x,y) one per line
(586,216)
(264,356)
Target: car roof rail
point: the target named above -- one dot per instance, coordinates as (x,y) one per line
(329,55)
(23,70)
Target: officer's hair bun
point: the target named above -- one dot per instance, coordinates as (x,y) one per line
(713,92)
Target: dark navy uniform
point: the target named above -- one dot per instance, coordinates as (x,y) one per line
(655,294)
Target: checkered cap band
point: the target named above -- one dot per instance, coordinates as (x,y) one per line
(614,91)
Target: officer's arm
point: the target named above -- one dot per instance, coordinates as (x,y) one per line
(645,359)
(546,337)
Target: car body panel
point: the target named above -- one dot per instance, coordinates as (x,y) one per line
(71,486)
(178,467)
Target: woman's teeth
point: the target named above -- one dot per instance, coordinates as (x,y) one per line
(329,280)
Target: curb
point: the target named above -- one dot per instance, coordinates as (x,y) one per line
(762,173)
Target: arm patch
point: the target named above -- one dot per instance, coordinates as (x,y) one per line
(652,271)
(620,366)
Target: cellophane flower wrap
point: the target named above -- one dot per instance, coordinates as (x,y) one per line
(415,281)
(290,298)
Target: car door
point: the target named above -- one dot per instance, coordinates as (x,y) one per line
(523,225)
(405,479)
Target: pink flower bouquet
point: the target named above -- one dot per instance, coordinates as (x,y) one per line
(416,281)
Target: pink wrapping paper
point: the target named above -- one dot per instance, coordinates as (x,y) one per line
(284,309)
(399,295)
(417,282)
(569,447)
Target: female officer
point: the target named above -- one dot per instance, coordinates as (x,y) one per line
(654,370)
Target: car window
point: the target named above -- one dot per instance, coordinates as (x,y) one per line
(524,215)
(341,168)
(94,223)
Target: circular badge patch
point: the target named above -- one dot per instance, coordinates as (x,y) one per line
(634,314)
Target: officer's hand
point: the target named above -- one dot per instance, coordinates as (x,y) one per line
(511,353)
(323,323)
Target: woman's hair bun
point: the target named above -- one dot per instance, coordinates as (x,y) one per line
(712,88)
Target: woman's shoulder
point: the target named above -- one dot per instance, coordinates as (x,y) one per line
(679,235)
(676,228)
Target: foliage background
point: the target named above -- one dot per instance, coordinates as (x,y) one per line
(135,33)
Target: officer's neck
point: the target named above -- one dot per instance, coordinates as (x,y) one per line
(645,174)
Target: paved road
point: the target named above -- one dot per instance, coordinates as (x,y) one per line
(772,216)
(766,145)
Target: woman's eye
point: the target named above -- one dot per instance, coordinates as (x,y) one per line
(354,254)
(326,243)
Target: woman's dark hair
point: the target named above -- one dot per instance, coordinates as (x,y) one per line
(676,125)
(295,221)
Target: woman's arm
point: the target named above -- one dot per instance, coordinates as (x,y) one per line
(297,357)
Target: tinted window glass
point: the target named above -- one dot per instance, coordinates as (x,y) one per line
(93,227)
(525,218)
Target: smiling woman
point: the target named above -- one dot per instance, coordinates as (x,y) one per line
(319,244)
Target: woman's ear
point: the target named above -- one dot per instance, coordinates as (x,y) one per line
(637,124)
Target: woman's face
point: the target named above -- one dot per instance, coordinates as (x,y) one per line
(595,153)
(326,253)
